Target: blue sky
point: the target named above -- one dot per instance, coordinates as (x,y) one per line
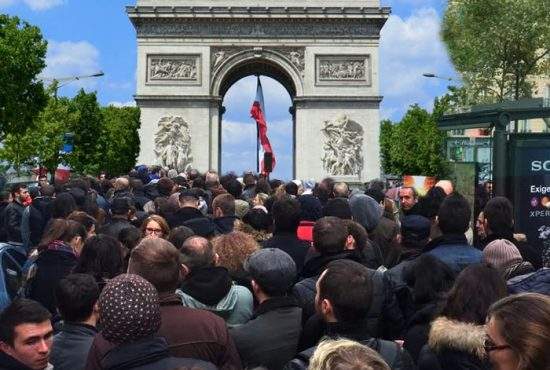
(89,35)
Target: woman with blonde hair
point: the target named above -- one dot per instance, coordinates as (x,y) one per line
(155,226)
(344,354)
(518,332)
(232,250)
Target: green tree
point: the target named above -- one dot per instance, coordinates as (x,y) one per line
(121,139)
(496,45)
(89,148)
(22,55)
(413,146)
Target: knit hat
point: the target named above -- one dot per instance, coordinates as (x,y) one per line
(501,253)
(129,309)
(337,207)
(366,211)
(415,228)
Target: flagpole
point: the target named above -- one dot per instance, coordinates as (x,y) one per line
(258,141)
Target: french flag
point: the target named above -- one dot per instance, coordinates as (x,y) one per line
(258,113)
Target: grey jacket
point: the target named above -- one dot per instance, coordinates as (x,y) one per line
(71,346)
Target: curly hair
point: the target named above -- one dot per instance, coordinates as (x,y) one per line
(233,249)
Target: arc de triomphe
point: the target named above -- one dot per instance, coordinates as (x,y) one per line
(324,52)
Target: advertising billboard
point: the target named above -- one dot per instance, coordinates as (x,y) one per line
(531,185)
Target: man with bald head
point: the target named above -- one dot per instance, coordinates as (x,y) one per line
(340,190)
(190,333)
(210,287)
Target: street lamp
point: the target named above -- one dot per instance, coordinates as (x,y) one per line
(433,75)
(58,82)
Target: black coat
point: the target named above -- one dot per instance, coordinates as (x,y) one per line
(385,317)
(184,214)
(114,227)
(9,363)
(396,357)
(148,354)
(289,243)
(418,328)
(71,346)
(13,213)
(224,225)
(270,339)
(51,266)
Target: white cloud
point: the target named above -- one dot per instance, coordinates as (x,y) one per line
(36,5)
(234,132)
(119,104)
(43,4)
(69,59)
(6,3)
(410,47)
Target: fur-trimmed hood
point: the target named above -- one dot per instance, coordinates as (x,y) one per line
(456,335)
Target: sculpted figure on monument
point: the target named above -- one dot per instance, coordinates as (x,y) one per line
(343,147)
(173,143)
(173,69)
(342,70)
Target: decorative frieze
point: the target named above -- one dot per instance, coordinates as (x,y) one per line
(342,69)
(173,68)
(268,28)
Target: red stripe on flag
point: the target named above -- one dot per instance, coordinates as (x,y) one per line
(258,115)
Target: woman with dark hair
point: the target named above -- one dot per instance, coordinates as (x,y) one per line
(63,205)
(518,332)
(457,337)
(86,220)
(429,279)
(102,258)
(58,253)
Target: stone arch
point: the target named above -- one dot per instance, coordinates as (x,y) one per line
(257,61)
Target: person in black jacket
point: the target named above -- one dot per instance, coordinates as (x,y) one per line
(76,295)
(344,311)
(121,213)
(13,213)
(270,339)
(59,250)
(498,223)
(188,208)
(330,236)
(286,219)
(457,337)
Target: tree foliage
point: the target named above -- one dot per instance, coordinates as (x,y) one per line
(496,45)
(22,58)
(413,146)
(120,133)
(89,148)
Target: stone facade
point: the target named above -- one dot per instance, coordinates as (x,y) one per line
(324,52)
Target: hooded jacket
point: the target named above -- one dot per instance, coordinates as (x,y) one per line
(454,345)
(211,289)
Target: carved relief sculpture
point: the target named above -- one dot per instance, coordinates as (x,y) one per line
(173,143)
(348,68)
(173,68)
(343,147)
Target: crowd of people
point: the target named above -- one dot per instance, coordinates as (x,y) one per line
(160,270)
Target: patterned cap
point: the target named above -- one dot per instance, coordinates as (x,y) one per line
(501,254)
(129,309)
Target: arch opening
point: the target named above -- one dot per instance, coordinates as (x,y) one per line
(237,131)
